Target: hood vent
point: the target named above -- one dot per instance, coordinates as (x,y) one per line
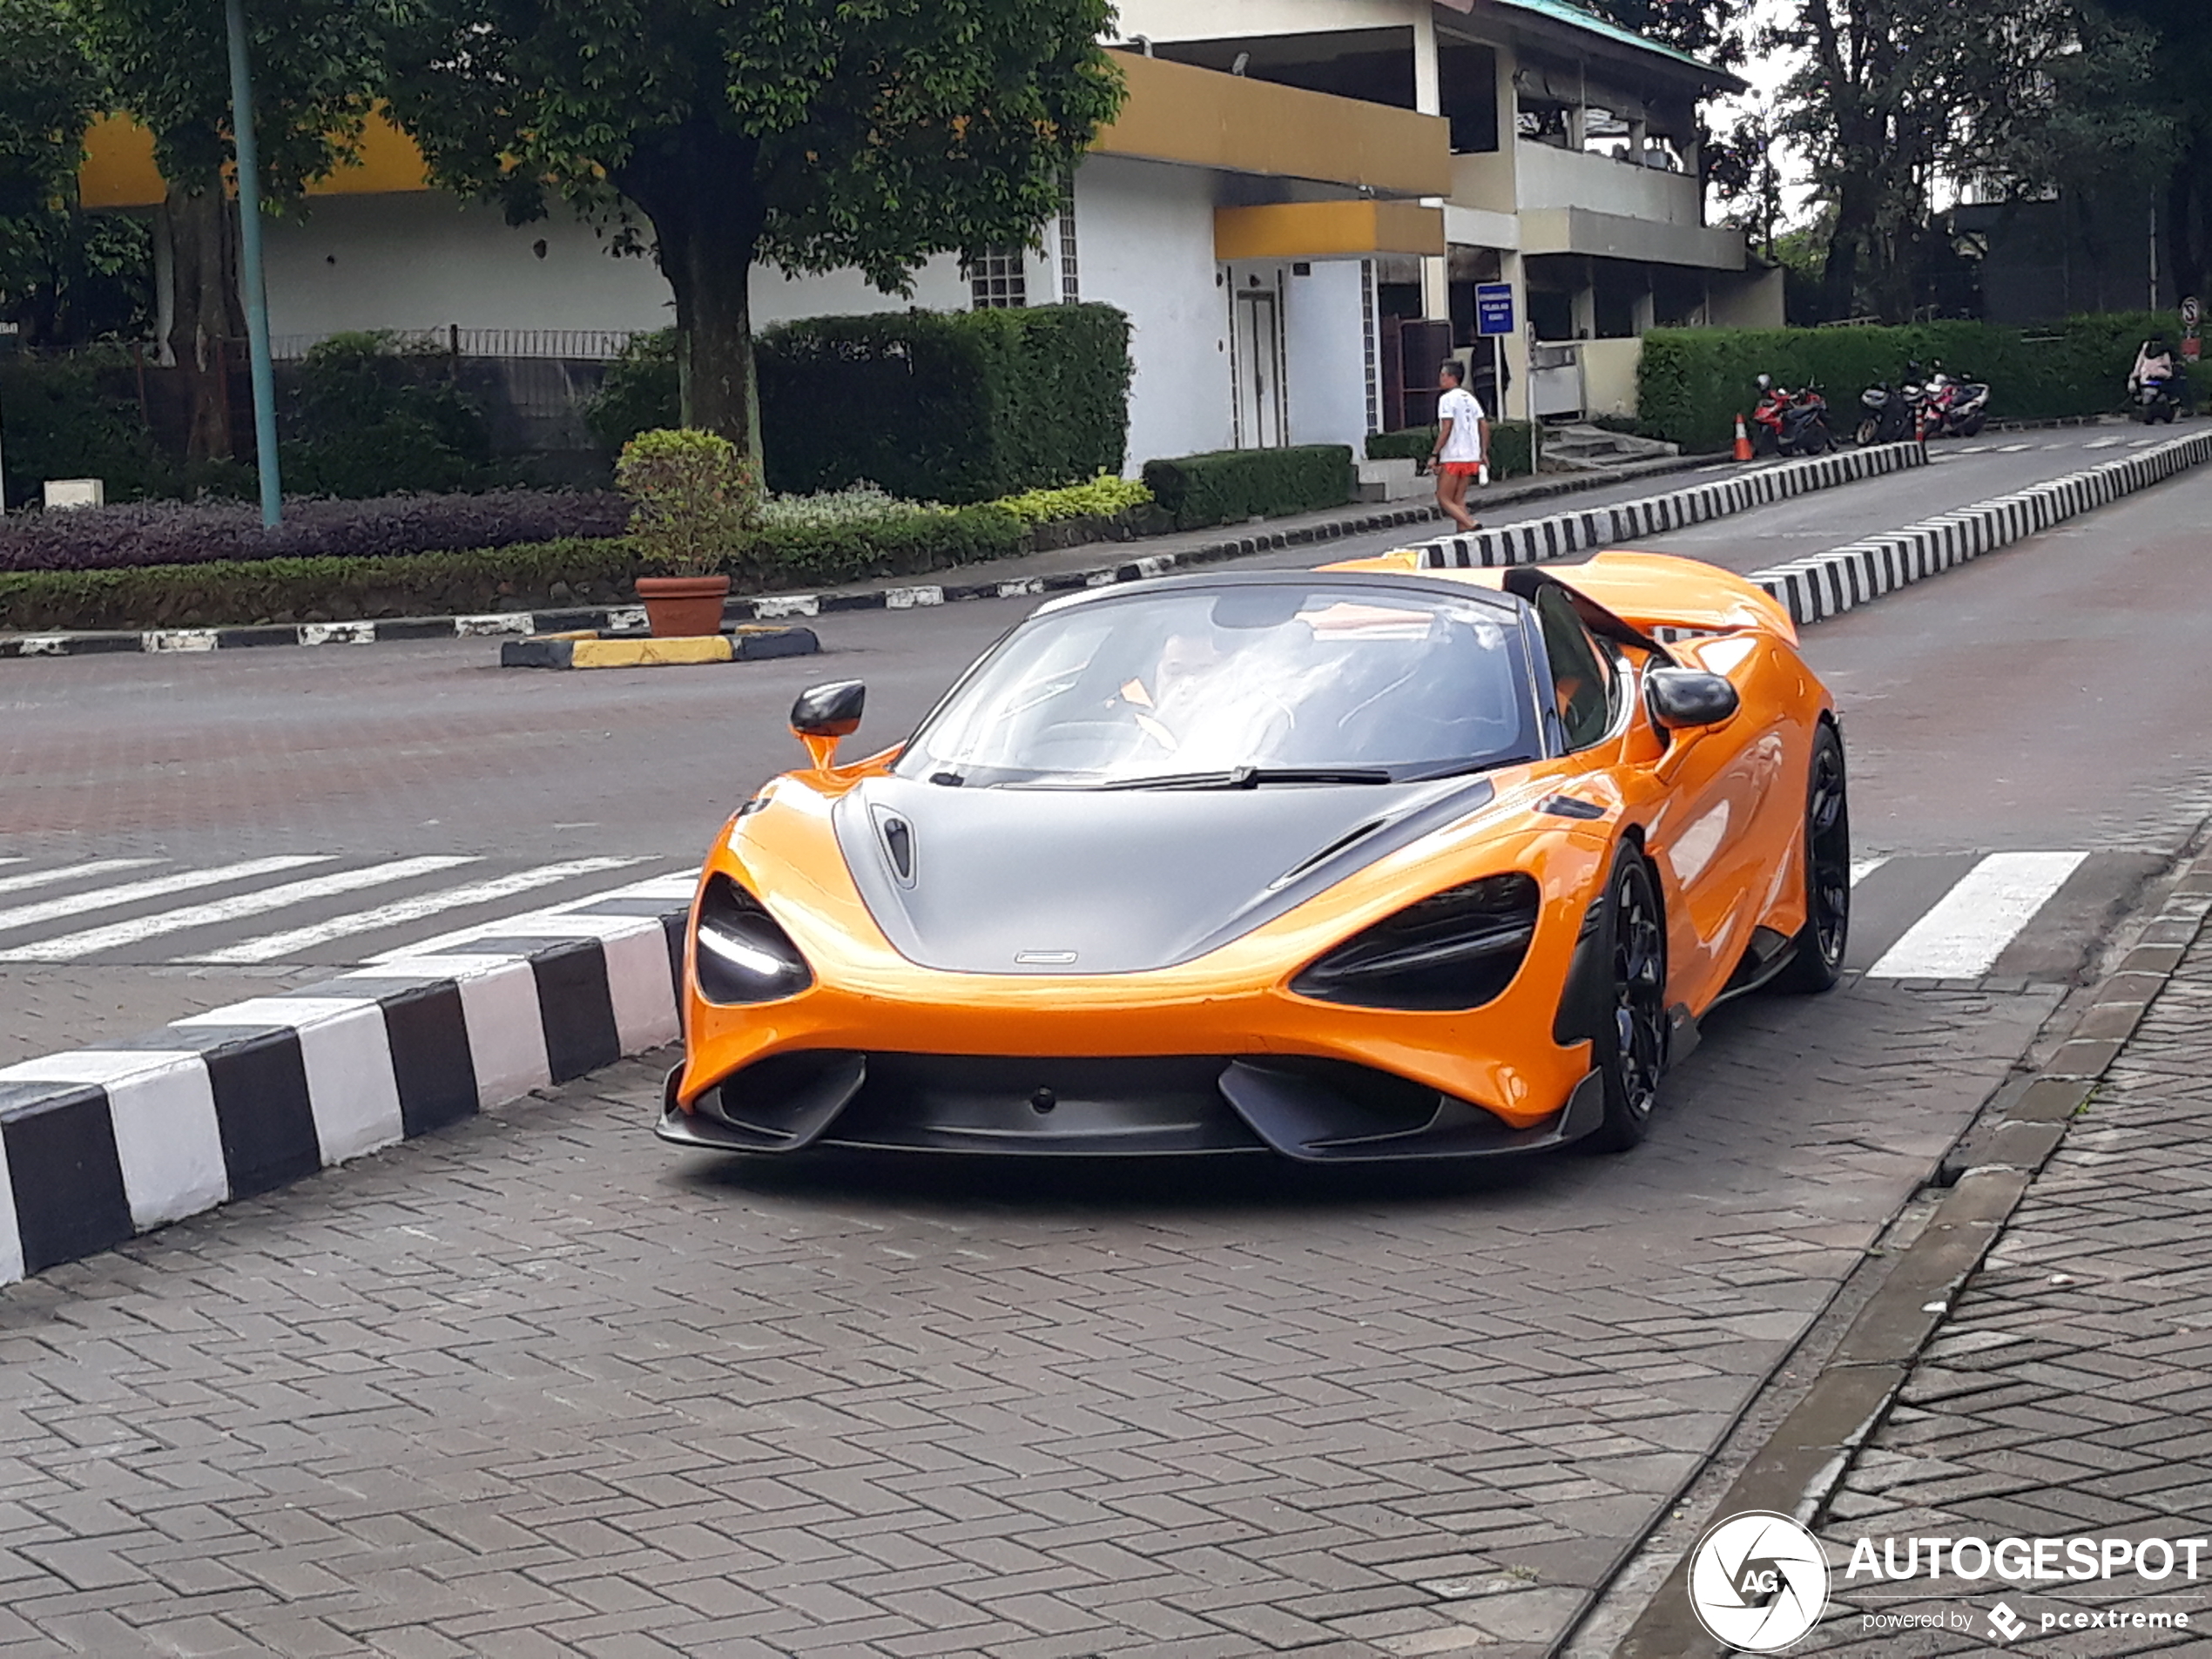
(1306,866)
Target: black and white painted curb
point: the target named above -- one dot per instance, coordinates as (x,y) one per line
(1603,527)
(104,1143)
(1824,585)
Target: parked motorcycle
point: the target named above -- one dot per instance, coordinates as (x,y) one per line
(1886,414)
(1957,408)
(1789,423)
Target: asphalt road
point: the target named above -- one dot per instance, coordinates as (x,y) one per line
(538,1385)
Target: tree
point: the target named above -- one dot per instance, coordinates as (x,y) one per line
(1711,31)
(1895,100)
(314,67)
(2179,61)
(63,278)
(813,134)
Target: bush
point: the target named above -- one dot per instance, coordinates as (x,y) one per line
(365,419)
(693,499)
(640,391)
(1230,486)
(1103,497)
(1694,381)
(178,533)
(224,592)
(64,418)
(960,407)
(1513,447)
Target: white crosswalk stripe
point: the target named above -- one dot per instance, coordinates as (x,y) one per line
(67,872)
(1965,932)
(116,935)
(31,915)
(281,947)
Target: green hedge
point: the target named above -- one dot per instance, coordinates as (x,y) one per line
(960,407)
(1694,381)
(1228,486)
(535,575)
(1513,445)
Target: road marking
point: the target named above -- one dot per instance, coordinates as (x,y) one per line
(1861,868)
(1963,935)
(1973,449)
(2104,443)
(31,915)
(69,947)
(276,948)
(2013,448)
(73,873)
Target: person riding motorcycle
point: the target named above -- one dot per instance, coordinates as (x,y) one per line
(2156,361)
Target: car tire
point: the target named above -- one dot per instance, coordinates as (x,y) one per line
(1819,946)
(1629,1048)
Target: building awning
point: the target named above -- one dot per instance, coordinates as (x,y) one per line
(1327,230)
(1202,117)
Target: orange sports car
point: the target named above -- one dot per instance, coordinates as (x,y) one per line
(1367,862)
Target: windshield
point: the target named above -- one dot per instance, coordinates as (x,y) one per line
(1238,686)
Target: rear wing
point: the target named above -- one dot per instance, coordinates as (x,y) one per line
(1655,592)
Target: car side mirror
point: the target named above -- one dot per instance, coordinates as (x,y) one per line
(1685,699)
(824,713)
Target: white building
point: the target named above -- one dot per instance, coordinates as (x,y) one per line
(1288,179)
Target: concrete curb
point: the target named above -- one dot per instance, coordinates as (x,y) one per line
(749,642)
(101,1143)
(1601,527)
(776,607)
(1825,584)
(1988,1172)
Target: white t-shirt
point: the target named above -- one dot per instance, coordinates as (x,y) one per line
(1460,408)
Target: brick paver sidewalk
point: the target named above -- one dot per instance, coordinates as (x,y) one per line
(2069,1394)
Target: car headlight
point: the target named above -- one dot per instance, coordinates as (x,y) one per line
(742,954)
(1453,950)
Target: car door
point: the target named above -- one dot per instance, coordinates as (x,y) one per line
(1711,833)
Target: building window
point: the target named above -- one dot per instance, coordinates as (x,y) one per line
(997,280)
(1071,290)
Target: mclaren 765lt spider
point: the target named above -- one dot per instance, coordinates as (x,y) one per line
(1367,862)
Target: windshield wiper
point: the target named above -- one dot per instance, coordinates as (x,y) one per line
(1253,777)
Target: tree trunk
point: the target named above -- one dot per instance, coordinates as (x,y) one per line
(205,312)
(698,186)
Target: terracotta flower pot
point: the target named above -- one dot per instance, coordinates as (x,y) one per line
(682,607)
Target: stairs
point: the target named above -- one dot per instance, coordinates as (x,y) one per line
(1588,449)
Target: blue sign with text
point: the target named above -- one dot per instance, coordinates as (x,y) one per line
(1494,308)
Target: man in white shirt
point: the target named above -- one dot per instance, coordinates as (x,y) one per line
(1462,451)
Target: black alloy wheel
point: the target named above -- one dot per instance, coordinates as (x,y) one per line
(1630,1049)
(1821,941)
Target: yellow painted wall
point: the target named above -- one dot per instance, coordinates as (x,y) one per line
(1327,230)
(119,170)
(1175,112)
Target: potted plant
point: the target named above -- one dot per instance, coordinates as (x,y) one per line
(694,498)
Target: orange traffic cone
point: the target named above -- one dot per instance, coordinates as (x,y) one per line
(1742,440)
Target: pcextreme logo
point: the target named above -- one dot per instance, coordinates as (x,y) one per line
(1758,1581)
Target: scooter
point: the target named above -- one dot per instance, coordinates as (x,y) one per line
(2154,399)
(1786,423)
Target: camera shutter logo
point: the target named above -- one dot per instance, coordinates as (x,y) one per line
(1759,1581)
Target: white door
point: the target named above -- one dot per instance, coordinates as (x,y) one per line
(1259,370)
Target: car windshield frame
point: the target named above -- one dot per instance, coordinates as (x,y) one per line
(1352,652)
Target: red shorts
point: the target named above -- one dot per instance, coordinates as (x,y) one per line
(1459,469)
